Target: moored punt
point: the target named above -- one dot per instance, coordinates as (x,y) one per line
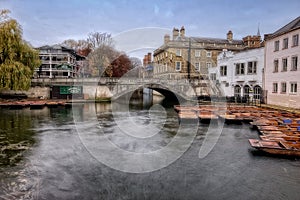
(18,105)
(37,104)
(276,147)
(229,118)
(206,117)
(52,104)
(187,117)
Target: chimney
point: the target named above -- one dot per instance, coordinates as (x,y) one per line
(175,33)
(149,58)
(229,36)
(166,38)
(182,32)
(145,60)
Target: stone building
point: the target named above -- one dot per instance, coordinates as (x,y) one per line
(184,57)
(282,73)
(59,62)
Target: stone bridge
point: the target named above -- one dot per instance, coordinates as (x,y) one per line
(117,87)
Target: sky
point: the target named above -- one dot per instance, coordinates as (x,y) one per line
(139,25)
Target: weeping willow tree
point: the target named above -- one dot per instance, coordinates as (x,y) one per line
(17,58)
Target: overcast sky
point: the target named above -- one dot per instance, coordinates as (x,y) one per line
(53,21)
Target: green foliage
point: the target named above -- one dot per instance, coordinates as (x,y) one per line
(17,58)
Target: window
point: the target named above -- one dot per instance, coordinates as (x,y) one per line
(208,54)
(252,67)
(178,66)
(295,40)
(178,52)
(276,45)
(240,69)
(197,53)
(275,65)
(285,43)
(293,88)
(283,87)
(197,66)
(223,70)
(275,87)
(294,63)
(284,65)
(213,76)
(208,64)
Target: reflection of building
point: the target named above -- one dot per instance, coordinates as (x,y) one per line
(171,59)
(240,74)
(59,62)
(282,71)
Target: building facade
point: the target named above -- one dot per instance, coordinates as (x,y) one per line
(282,73)
(59,62)
(190,57)
(239,74)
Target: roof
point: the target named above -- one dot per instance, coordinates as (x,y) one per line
(293,25)
(216,40)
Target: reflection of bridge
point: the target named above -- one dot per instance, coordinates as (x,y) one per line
(120,86)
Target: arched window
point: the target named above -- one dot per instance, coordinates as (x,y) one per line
(237,91)
(257,92)
(246,91)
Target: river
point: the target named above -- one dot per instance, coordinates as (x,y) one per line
(60,156)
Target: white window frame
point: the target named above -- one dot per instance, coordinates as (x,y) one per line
(294,66)
(177,69)
(293,87)
(178,52)
(253,68)
(276,45)
(197,53)
(285,43)
(238,69)
(276,65)
(295,40)
(275,88)
(283,87)
(284,64)
(223,70)
(208,54)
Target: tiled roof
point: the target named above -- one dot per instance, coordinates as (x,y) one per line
(216,40)
(295,24)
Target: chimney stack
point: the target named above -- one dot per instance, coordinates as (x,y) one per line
(229,36)
(182,32)
(175,33)
(149,58)
(166,38)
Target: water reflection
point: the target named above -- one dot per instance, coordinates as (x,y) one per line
(58,166)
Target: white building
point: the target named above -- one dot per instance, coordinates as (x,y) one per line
(240,74)
(282,73)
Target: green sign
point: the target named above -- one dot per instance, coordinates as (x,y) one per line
(70,90)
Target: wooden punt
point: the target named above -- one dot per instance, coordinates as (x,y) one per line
(276,147)
(37,104)
(187,117)
(52,104)
(229,118)
(207,116)
(18,105)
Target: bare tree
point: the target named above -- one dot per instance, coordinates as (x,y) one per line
(98,39)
